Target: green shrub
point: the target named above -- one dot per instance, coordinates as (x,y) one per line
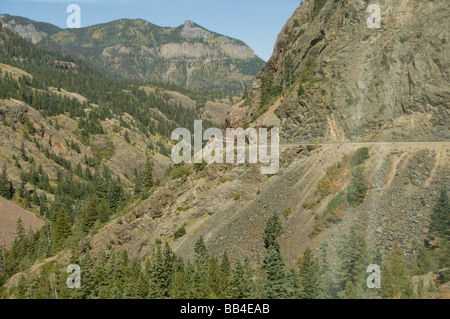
(224,180)
(126,136)
(318,5)
(358,187)
(179,172)
(360,156)
(301,90)
(145,195)
(269,92)
(287,212)
(180,232)
(200,166)
(333,180)
(338,202)
(237,197)
(309,204)
(334,213)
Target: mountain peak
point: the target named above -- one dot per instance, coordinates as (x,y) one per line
(194,31)
(188,23)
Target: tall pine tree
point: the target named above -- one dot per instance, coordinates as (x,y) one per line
(440,217)
(353,253)
(62,227)
(147,181)
(309,275)
(6,188)
(395,277)
(273,265)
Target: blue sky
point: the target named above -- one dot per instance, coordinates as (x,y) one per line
(256,22)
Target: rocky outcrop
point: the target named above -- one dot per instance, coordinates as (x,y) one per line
(33,31)
(27,31)
(200,50)
(192,31)
(360,83)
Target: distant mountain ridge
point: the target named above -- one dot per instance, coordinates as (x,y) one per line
(189,55)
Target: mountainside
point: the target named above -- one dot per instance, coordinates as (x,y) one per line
(343,81)
(404,180)
(79,120)
(61,117)
(363,178)
(188,56)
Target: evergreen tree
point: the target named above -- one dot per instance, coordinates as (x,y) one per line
(91,213)
(224,279)
(273,230)
(213,278)
(103,210)
(440,217)
(11,190)
(292,285)
(326,284)
(162,269)
(201,259)
(79,170)
(191,291)
(245,94)
(200,285)
(43,204)
(178,290)
(43,242)
(395,278)
(127,137)
(420,289)
(114,195)
(100,187)
(2,264)
(138,185)
(288,70)
(248,275)
(444,257)
(35,198)
(62,227)
(274,275)
(147,181)
(424,262)
(309,275)
(6,188)
(87,279)
(141,290)
(358,187)
(353,254)
(238,285)
(169,260)
(20,230)
(153,290)
(273,265)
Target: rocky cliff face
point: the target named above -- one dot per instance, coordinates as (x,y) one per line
(33,31)
(345,81)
